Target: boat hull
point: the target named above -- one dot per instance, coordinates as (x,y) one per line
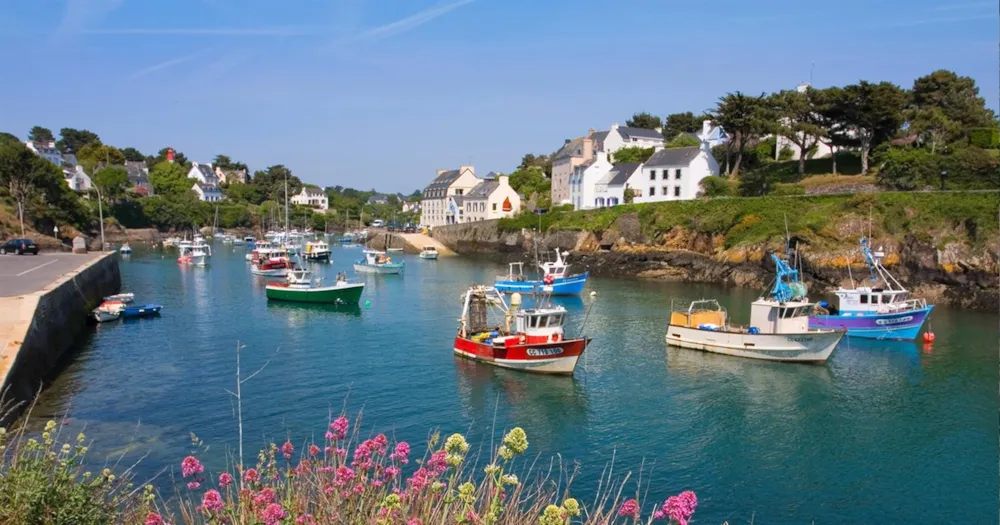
(550,358)
(379,268)
(104,316)
(277,272)
(812,347)
(572,285)
(905,325)
(146,310)
(346,295)
(320,256)
(430,256)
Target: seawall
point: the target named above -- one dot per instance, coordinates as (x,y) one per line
(946,273)
(44,326)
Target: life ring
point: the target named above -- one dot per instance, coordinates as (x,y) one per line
(555,338)
(549,279)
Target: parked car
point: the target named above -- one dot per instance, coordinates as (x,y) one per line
(19,246)
(378,223)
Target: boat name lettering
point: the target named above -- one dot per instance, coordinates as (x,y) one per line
(898,320)
(538,352)
(798,339)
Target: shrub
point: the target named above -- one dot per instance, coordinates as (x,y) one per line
(683,140)
(717,187)
(785,154)
(915,168)
(788,188)
(986,138)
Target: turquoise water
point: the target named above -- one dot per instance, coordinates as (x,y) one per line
(885,432)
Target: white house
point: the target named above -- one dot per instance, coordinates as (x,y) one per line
(231,176)
(77,178)
(138,176)
(46,150)
(207,192)
(584,179)
(409,206)
(312,197)
(619,137)
(674,174)
(203,173)
(434,204)
(610,190)
(491,199)
(822,150)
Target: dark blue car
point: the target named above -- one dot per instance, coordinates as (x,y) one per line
(19,246)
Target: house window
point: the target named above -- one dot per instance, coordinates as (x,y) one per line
(652,174)
(458,192)
(652,191)
(666,173)
(664,191)
(677,191)
(494,206)
(677,173)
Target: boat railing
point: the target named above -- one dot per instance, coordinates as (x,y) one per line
(903,306)
(699,313)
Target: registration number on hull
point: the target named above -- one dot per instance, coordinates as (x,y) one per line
(543,352)
(898,320)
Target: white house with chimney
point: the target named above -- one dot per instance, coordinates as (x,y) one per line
(490,199)
(207,192)
(46,150)
(436,207)
(673,174)
(583,181)
(312,197)
(619,137)
(203,173)
(610,190)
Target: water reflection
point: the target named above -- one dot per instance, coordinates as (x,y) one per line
(763,380)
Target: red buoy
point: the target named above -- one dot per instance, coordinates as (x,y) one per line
(928,337)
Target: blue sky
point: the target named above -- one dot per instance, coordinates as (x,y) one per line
(379,93)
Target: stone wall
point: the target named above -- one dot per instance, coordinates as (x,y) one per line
(52,320)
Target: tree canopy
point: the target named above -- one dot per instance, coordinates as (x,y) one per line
(170,179)
(272,182)
(40,134)
(644,120)
(685,122)
(73,140)
(683,140)
(797,116)
(95,153)
(161,156)
(133,155)
(112,181)
(632,154)
(539,161)
(744,117)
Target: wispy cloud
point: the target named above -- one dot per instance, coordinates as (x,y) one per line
(936,20)
(164,65)
(965,5)
(81,13)
(402,25)
(210,31)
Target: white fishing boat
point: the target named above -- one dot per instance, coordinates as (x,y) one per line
(778,331)
(195,255)
(429,252)
(317,251)
(377,262)
(125,249)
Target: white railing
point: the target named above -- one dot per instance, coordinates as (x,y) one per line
(904,306)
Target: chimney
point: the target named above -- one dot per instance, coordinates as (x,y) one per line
(566,142)
(614,126)
(588,149)
(464,167)
(706,128)
(658,130)
(439,172)
(503,181)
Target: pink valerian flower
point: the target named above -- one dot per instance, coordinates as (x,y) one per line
(339,427)
(343,476)
(401,453)
(377,483)
(264,497)
(358,489)
(272,514)
(391,472)
(437,463)
(472,516)
(251,475)
(329,489)
(287,449)
(414,521)
(342,452)
(325,469)
(225,480)
(155,519)
(363,456)
(313,450)
(419,480)
(212,501)
(630,508)
(191,466)
(193,485)
(305,519)
(678,508)
(329,436)
(380,443)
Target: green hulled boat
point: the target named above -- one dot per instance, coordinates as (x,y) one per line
(301,289)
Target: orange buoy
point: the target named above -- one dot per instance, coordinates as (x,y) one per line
(928,337)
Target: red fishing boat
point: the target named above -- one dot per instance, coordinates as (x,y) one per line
(529,339)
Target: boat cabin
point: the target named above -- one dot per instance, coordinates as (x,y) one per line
(772,317)
(374,257)
(430,249)
(870,300)
(540,321)
(557,268)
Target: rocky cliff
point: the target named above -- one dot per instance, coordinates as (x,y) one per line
(942,266)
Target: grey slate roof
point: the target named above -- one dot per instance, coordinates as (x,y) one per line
(459,200)
(437,188)
(137,173)
(599,137)
(641,133)
(492,175)
(206,171)
(69,158)
(313,192)
(208,188)
(621,172)
(482,190)
(673,157)
(572,148)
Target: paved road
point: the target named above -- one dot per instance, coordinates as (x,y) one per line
(21,274)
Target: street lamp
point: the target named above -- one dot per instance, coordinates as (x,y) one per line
(100,210)
(944,175)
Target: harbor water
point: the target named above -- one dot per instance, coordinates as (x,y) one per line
(885,432)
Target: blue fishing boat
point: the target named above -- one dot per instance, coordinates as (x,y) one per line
(555,274)
(144,310)
(883,310)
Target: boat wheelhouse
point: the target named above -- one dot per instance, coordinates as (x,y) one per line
(555,273)
(195,254)
(378,262)
(883,310)
(531,339)
(778,331)
(317,251)
(429,252)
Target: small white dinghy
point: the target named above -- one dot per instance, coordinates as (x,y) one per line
(126,297)
(104,316)
(429,252)
(779,326)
